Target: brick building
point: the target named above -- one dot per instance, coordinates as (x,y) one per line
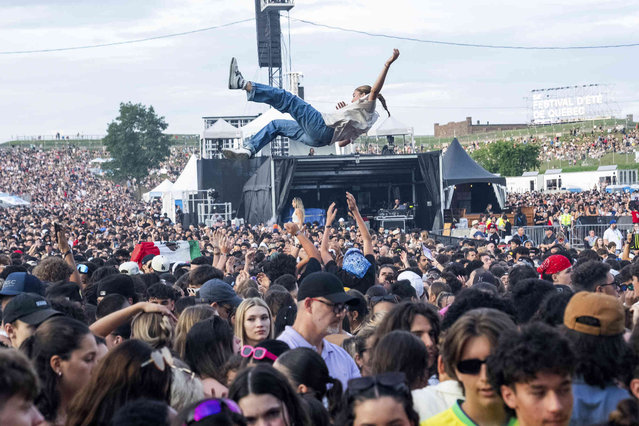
(466,127)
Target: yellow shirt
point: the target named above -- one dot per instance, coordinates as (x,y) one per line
(455,416)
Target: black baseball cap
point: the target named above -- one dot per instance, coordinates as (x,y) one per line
(324,284)
(30,308)
(21,282)
(218,291)
(116,283)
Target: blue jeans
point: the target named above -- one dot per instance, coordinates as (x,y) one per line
(308,128)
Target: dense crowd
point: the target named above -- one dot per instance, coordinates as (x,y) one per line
(311,325)
(575,147)
(305,324)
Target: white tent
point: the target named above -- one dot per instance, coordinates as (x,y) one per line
(221,129)
(157,192)
(389,126)
(260,122)
(185,184)
(187,181)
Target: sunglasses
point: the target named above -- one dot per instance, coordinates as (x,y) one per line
(394,380)
(385,298)
(625,287)
(162,358)
(338,308)
(256,353)
(212,407)
(470,366)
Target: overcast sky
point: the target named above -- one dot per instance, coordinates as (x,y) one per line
(185,78)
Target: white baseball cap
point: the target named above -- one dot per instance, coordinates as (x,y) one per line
(130,268)
(160,263)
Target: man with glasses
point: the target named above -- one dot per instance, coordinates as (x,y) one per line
(221,297)
(595,277)
(321,307)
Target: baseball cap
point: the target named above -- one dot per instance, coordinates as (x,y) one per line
(595,314)
(415,281)
(28,307)
(323,284)
(216,290)
(613,221)
(475,222)
(21,282)
(161,263)
(147,258)
(118,284)
(130,268)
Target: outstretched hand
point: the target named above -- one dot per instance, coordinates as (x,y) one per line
(331,213)
(393,57)
(352,204)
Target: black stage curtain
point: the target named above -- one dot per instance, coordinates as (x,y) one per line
(431,217)
(256,196)
(284,172)
(227,177)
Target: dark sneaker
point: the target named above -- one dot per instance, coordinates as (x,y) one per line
(236,81)
(237,153)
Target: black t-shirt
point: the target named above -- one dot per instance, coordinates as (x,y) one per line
(312,265)
(351,281)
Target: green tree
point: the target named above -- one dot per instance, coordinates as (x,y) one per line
(508,158)
(135,141)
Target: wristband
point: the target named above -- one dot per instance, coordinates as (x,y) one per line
(66,254)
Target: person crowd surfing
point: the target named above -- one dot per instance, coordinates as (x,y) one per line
(310,127)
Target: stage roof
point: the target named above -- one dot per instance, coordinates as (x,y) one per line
(329,169)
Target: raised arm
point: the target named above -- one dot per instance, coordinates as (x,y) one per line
(366,236)
(330,217)
(105,325)
(379,83)
(307,245)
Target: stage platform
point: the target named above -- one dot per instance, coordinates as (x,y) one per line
(262,188)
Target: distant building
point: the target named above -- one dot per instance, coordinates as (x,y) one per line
(212,148)
(466,127)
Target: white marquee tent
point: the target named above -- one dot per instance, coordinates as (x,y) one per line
(221,129)
(158,191)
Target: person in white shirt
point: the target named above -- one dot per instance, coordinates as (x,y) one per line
(310,127)
(613,235)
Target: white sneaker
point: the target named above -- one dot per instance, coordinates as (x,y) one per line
(237,153)
(236,81)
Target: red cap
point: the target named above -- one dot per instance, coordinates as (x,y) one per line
(553,264)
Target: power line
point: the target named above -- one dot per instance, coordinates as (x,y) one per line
(118,43)
(461,44)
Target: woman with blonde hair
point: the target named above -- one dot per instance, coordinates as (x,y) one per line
(298,214)
(189,317)
(253,322)
(152,328)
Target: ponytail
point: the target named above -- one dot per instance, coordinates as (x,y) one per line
(383,102)
(334,397)
(366,89)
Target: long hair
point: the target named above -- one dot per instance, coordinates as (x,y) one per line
(366,89)
(240,316)
(57,336)
(296,364)
(119,378)
(264,379)
(209,344)
(189,317)
(152,328)
(401,351)
(298,205)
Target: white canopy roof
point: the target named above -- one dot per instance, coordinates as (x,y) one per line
(165,186)
(389,126)
(187,180)
(260,122)
(221,129)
